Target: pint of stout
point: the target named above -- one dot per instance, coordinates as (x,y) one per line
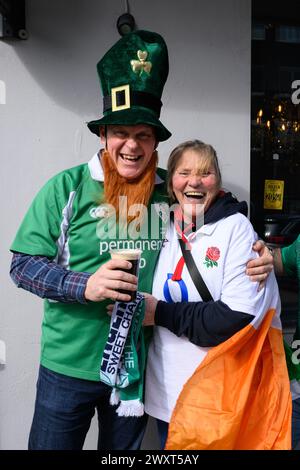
(133,256)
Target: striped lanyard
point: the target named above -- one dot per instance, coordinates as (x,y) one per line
(179,222)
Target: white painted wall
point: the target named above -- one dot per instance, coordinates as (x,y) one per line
(52,89)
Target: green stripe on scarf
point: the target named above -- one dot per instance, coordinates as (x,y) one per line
(124,357)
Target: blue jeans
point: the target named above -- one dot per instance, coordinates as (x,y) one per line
(64,409)
(162,427)
(296,423)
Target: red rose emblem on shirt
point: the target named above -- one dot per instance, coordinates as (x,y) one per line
(212,256)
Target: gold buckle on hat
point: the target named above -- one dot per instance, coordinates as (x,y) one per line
(114,91)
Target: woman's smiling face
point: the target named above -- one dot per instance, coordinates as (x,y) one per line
(194,183)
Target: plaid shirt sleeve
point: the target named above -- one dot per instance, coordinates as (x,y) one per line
(45,278)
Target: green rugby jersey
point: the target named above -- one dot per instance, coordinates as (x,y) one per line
(66,223)
(291,264)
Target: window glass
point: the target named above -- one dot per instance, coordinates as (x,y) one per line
(289,34)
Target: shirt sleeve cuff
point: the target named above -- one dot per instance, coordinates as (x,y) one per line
(162,314)
(75,285)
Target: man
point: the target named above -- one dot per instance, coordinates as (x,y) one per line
(287,262)
(61,251)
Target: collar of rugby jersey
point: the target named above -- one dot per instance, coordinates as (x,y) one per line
(188,233)
(205,229)
(96,170)
(225,205)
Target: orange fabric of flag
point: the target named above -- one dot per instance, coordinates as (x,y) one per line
(239,396)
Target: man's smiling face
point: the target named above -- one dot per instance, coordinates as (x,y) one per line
(130,148)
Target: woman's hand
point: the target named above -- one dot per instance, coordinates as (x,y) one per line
(259,268)
(150,307)
(103,284)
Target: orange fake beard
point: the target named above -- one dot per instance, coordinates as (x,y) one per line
(137,191)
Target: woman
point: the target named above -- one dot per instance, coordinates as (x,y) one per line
(207,363)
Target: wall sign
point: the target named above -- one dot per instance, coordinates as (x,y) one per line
(273,195)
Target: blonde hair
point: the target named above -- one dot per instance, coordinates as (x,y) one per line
(209,159)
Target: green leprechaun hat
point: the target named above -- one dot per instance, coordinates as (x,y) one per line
(132,75)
